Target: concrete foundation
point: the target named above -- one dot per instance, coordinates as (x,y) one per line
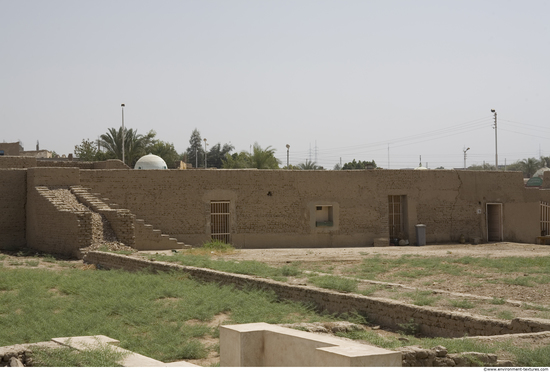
(267,345)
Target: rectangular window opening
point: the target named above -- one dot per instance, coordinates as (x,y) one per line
(324,216)
(219,221)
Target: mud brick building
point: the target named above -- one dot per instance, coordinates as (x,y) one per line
(266,208)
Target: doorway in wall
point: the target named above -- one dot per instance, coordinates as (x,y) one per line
(396,204)
(494,222)
(219,221)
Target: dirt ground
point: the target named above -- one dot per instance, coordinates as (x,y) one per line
(480,287)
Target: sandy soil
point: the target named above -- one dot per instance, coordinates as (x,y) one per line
(480,286)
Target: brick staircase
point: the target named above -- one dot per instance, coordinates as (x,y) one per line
(150,239)
(146,237)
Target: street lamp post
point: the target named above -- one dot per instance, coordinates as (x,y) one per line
(287,152)
(465,157)
(122,107)
(496,142)
(205,153)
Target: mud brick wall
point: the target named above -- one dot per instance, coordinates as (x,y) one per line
(275,208)
(54,228)
(7,162)
(52,177)
(122,222)
(51,226)
(54,163)
(385,312)
(13,196)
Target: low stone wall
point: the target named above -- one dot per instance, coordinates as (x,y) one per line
(413,356)
(386,312)
(21,355)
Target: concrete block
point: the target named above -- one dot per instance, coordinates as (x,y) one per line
(266,345)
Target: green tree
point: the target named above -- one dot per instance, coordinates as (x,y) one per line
(134,144)
(291,167)
(216,155)
(484,167)
(165,150)
(337,166)
(195,151)
(360,165)
(263,158)
(529,167)
(259,158)
(544,161)
(236,160)
(309,165)
(86,151)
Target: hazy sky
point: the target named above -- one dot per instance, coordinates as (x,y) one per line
(335,79)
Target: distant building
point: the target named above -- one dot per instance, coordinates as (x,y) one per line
(15,149)
(10,148)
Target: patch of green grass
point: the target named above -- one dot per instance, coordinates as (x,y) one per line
(218,246)
(15,263)
(542,279)
(243,267)
(463,304)
(497,301)
(2,257)
(411,274)
(49,258)
(33,263)
(410,328)
(474,285)
(423,298)
(538,357)
(370,290)
(520,280)
(102,356)
(147,312)
(334,282)
(505,314)
(104,248)
(409,266)
(67,264)
(535,307)
(290,270)
(372,338)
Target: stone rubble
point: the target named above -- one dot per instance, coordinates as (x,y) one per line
(103,234)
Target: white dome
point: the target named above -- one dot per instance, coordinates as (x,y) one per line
(540,172)
(150,161)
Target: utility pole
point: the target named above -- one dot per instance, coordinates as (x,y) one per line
(465,157)
(287,153)
(496,142)
(205,153)
(122,106)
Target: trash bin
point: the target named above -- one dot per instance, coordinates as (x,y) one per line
(420,235)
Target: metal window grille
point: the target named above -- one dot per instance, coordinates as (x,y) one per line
(395,215)
(219,221)
(544,218)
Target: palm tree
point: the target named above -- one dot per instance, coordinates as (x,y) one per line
(263,158)
(529,166)
(134,144)
(308,165)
